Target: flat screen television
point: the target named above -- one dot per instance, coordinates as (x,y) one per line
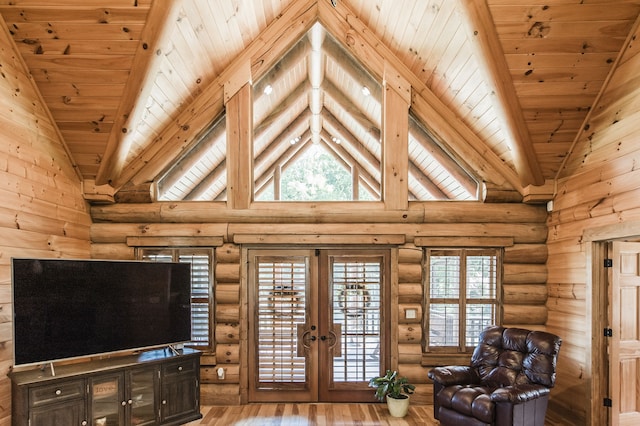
(66,309)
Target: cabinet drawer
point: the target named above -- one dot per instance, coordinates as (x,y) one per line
(179,367)
(46,394)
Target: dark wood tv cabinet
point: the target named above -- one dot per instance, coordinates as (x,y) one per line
(157,387)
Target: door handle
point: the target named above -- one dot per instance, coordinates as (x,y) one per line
(304,339)
(333,340)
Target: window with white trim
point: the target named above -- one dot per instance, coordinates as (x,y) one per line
(201,261)
(462,297)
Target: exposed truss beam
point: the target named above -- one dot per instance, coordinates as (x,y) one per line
(159,26)
(498,77)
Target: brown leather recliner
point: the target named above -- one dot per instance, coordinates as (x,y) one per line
(508,382)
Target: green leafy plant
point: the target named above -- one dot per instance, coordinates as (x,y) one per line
(392,385)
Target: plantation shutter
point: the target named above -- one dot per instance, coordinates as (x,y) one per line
(201,288)
(281,311)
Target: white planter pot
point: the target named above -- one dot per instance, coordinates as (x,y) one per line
(398,407)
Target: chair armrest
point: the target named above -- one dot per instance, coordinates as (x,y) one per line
(454,374)
(519,393)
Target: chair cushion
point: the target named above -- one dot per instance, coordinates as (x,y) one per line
(514,356)
(472,401)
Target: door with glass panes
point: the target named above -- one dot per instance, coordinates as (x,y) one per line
(318,323)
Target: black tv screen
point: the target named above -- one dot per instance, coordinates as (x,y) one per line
(73,308)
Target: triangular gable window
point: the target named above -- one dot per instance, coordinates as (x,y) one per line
(317,117)
(434,174)
(317,137)
(200,174)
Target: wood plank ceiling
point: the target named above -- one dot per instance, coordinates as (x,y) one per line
(121,76)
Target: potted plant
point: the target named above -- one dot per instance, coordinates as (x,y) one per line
(395,389)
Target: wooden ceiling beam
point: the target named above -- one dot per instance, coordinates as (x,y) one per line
(445,123)
(497,74)
(262,53)
(155,36)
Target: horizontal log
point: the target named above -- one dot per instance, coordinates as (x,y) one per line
(458,241)
(118,232)
(227,293)
(228,253)
(227,272)
(525,253)
(410,293)
(410,254)
(227,313)
(525,294)
(566,306)
(418,212)
(524,273)
(219,394)
(320,239)
(228,354)
(410,353)
(495,194)
(409,272)
(174,241)
(142,193)
(567,291)
(525,314)
(210,374)
(525,233)
(409,333)
(416,373)
(227,333)
(117,251)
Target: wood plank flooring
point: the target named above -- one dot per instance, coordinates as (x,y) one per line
(321,414)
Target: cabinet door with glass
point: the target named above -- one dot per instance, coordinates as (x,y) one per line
(128,398)
(106,397)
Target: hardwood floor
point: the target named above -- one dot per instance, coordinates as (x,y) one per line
(320,414)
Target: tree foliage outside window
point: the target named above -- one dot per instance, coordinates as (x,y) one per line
(462,296)
(315,176)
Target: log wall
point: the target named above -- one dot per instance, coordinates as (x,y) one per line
(524,291)
(599,189)
(42,211)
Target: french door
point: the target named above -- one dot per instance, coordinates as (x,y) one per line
(318,323)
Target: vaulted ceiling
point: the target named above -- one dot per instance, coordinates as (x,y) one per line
(133,84)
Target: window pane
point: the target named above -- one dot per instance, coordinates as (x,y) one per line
(200,323)
(443,324)
(199,273)
(444,277)
(481,277)
(479,316)
(282,308)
